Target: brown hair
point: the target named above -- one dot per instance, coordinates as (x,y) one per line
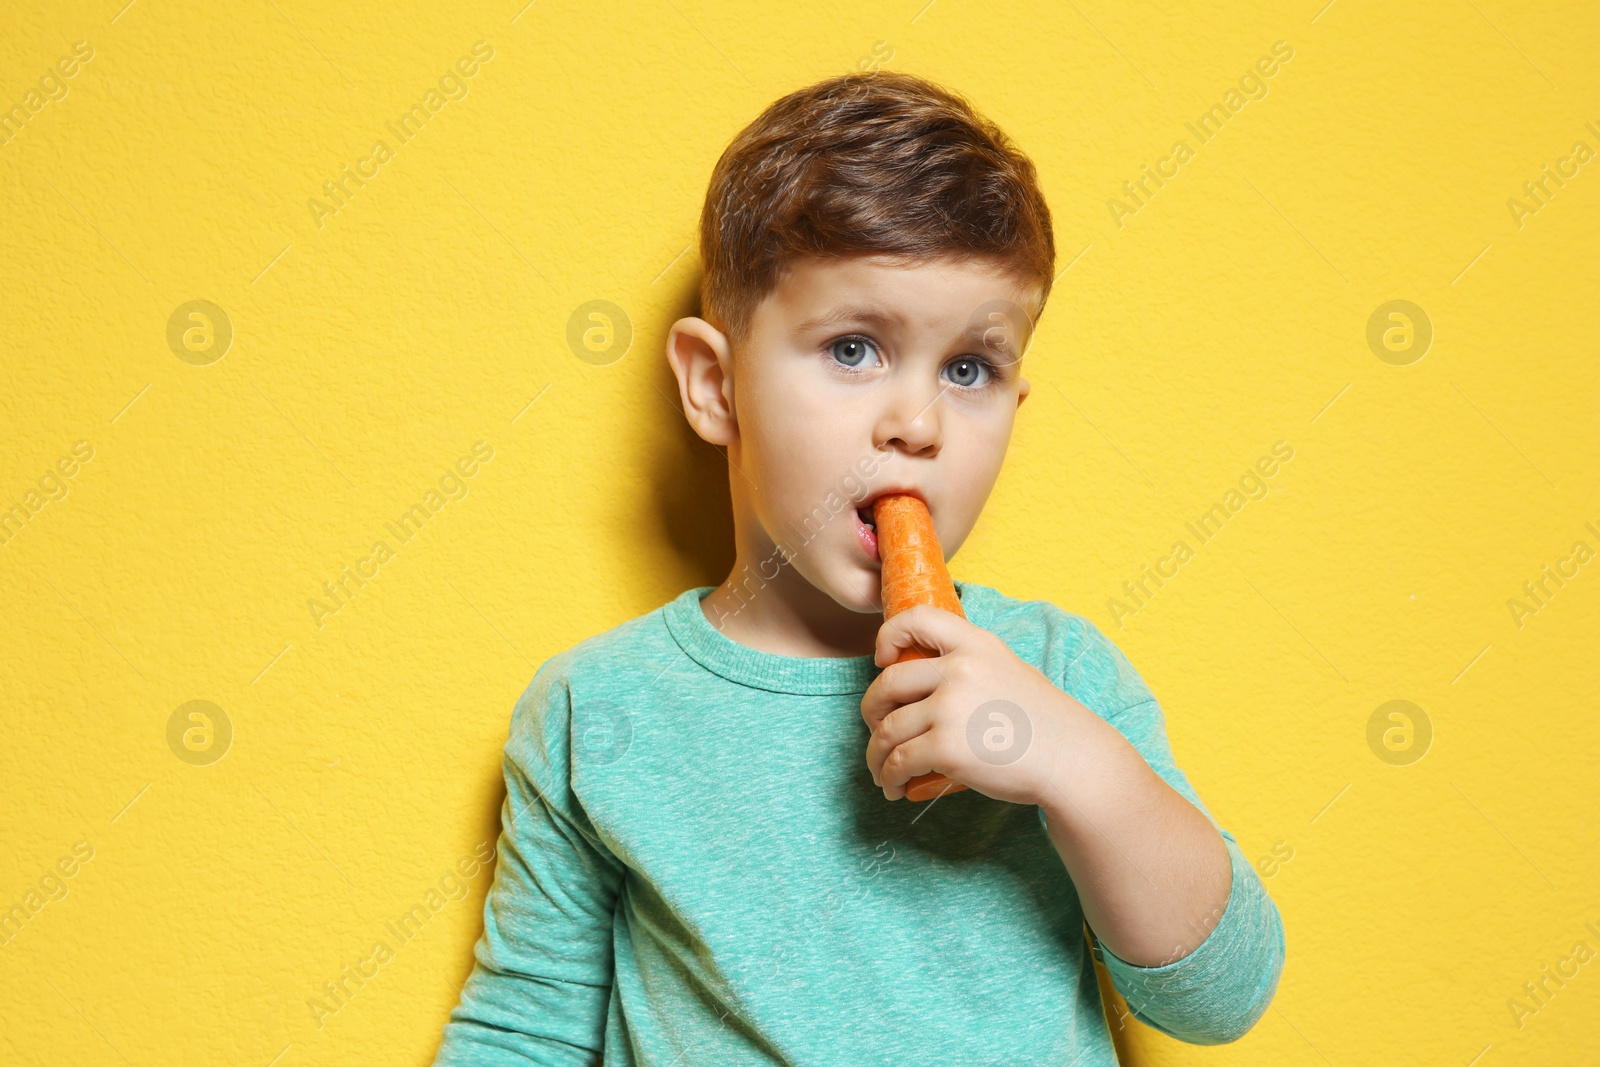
(877,162)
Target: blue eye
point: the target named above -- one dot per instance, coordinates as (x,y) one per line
(971,366)
(973,374)
(850,350)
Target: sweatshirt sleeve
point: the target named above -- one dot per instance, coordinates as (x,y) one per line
(1217,992)
(541,981)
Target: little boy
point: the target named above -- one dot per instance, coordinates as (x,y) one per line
(695,867)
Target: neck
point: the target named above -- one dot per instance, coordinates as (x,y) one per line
(787,615)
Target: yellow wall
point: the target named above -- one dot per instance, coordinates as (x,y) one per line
(374,345)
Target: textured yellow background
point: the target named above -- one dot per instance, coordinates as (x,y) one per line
(374,345)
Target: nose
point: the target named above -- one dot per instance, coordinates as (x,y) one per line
(912,420)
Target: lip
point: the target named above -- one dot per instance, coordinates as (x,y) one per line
(865,536)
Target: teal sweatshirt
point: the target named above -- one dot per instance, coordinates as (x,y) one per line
(696,869)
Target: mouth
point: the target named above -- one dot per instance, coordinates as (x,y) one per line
(866,525)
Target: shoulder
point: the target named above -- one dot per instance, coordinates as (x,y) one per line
(603,669)
(615,657)
(1068,647)
(1042,633)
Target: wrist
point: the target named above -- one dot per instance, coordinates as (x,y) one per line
(1096,770)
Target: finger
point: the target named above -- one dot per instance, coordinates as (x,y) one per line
(898,727)
(933,629)
(899,684)
(908,759)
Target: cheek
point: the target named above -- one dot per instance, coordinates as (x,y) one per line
(809,479)
(799,426)
(814,473)
(980,433)
(972,466)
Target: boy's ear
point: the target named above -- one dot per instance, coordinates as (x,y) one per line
(702,360)
(1023,389)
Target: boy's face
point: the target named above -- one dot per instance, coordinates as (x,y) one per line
(861,374)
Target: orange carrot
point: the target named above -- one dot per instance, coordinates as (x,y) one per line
(913,573)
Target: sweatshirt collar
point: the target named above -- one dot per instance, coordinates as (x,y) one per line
(802,675)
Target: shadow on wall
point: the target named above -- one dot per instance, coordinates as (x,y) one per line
(485,828)
(1117,1017)
(694,512)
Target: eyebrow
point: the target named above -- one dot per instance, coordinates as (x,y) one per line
(853,313)
(880,317)
(1008,350)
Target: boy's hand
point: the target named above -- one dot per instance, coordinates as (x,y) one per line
(976,713)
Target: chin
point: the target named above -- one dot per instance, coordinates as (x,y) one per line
(859,591)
